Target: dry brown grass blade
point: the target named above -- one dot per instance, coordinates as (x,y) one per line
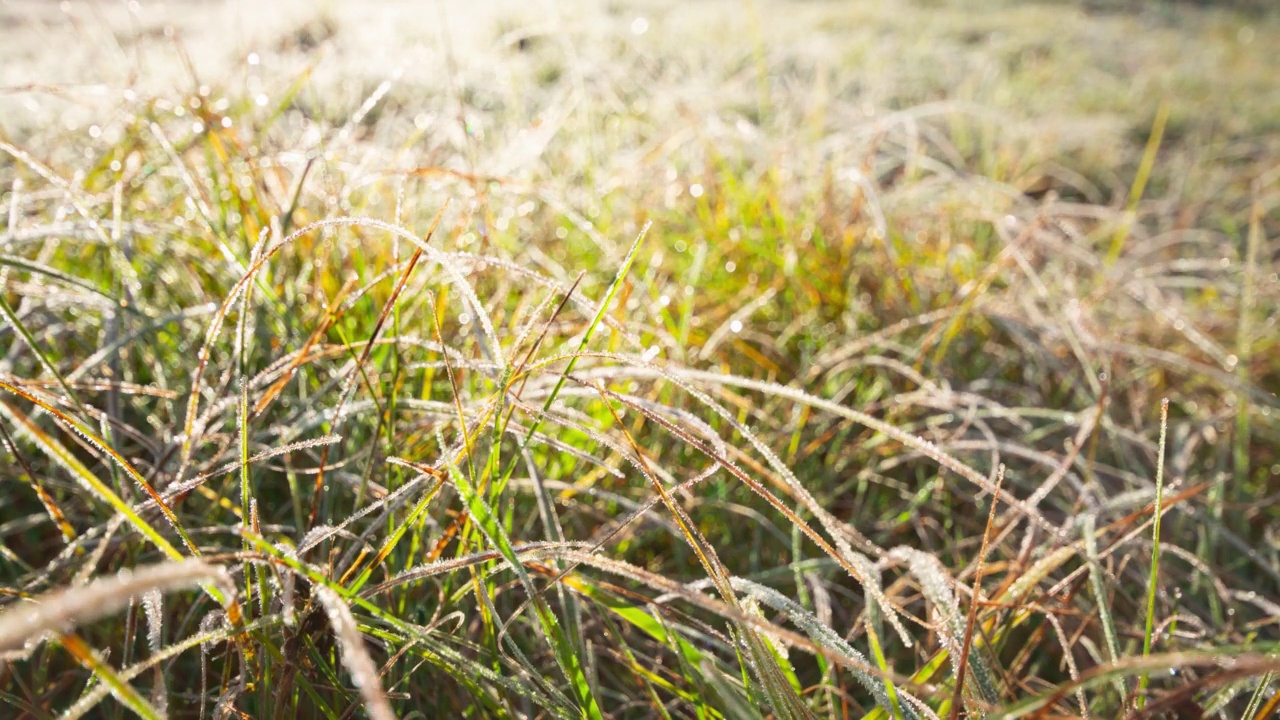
(546,328)
(96,385)
(970,624)
(333,315)
(1232,667)
(50,505)
(450,532)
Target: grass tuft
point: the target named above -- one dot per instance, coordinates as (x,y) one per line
(639,360)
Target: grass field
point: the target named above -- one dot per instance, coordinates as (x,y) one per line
(721,359)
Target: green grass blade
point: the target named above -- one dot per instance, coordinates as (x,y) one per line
(1153,581)
(488,523)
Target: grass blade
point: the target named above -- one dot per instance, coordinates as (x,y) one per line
(1153,580)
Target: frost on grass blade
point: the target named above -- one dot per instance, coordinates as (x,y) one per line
(823,635)
(153,606)
(354,655)
(60,611)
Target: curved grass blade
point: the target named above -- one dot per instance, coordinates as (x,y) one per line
(126,693)
(61,610)
(71,425)
(50,505)
(62,456)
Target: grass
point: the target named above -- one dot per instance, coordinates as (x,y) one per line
(705,360)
